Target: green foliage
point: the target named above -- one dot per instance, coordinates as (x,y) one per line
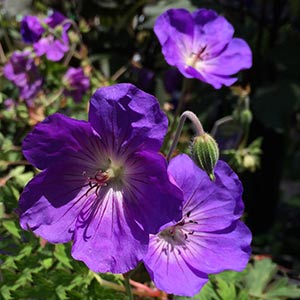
(260,281)
(33,269)
(245,159)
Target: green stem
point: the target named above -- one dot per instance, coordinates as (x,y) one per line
(198,128)
(220,122)
(127,286)
(108,284)
(180,105)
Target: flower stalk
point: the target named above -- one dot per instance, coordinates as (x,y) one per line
(198,128)
(127,285)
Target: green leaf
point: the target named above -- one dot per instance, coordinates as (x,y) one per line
(60,254)
(5,292)
(282,289)
(226,290)
(259,276)
(11,227)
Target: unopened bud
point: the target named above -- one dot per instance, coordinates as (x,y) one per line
(250,162)
(246,117)
(205,152)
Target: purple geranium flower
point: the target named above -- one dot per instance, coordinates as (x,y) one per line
(208,239)
(103,184)
(23,72)
(76,83)
(54,45)
(201,45)
(31,29)
(9,103)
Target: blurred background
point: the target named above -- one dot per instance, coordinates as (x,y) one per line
(113,41)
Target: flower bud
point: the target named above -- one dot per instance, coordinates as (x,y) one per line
(205,153)
(246,117)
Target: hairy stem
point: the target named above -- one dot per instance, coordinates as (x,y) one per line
(198,128)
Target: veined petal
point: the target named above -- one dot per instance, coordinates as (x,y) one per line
(211,33)
(214,205)
(60,137)
(235,57)
(169,270)
(214,252)
(52,201)
(106,239)
(151,198)
(133,120)
(227,179)
(215,80)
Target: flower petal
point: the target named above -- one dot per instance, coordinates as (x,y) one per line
(211,32)
(57,137)
(170,272)
(211,204)
(235,57)
(150,196)
(215,80)
(52,201)
(127,119)
(106,239)
(174,29)
(214,252)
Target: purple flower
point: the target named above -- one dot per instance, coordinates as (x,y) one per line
(9,103)
(103,183)
(201,45)
(55,44)
(208,239)
(23,72)
(76,83)
(31,29)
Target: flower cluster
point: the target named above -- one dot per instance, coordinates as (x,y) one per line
(23,72)
(48,36)
(105,186)
(201,45)
(108,189)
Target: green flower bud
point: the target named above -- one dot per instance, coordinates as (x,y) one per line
(246,117)
(205,152)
